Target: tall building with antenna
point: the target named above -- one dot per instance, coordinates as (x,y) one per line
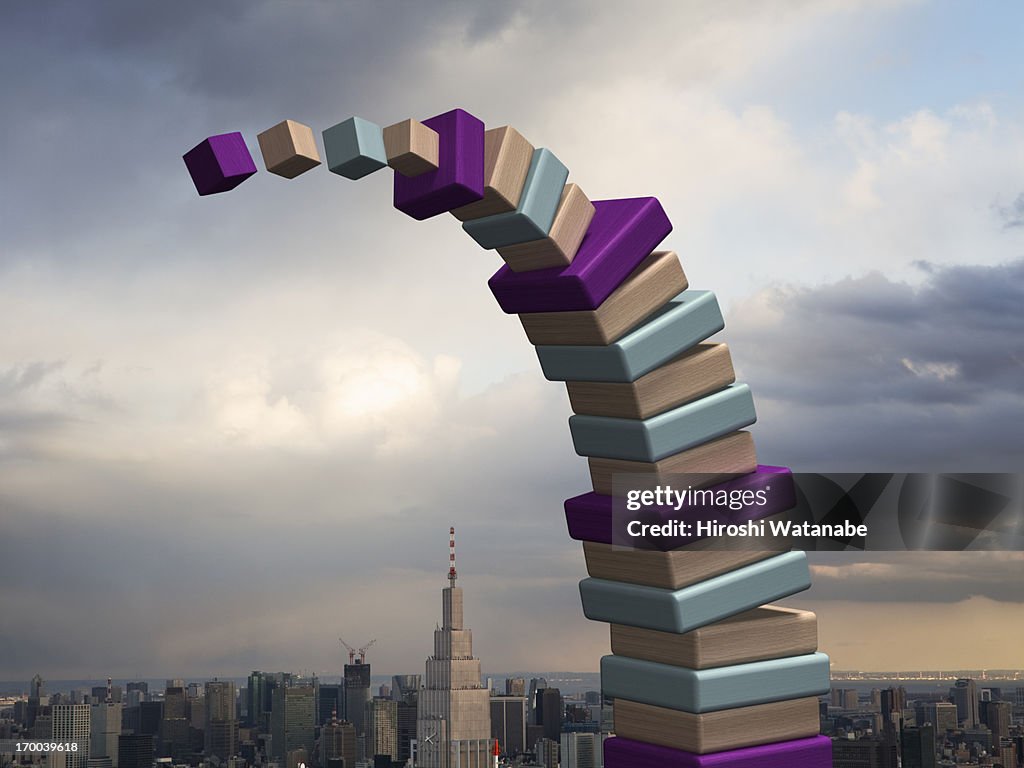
(453,728)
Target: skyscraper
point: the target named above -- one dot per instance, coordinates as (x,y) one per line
(579,750)
(292,720)
(548,712)
(382,728)
(453,729)
(71,723)
(105,727)
(508,723)
(220,728)
(918,747)
(338,742)
(357,694)
(965,695)
(174,737)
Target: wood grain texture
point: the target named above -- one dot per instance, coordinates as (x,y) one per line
(717,731)
(716,689)
(696,605)
(657,279)
(412,148)
(676,327)
(668,570)
(676,430)
(289,149)
(507,156)
(572,218)
(768,632)
(699,371)
(707,464)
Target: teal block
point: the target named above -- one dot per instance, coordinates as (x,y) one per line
(668,433)
(538,204)
(682,610)
(684,321)
(708,690)
(355,148)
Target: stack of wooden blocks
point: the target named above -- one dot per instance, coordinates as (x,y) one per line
(703,670)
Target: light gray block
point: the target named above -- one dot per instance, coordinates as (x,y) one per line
(686,320)
(707,690)
(680,610)
(667,433)
(538,204)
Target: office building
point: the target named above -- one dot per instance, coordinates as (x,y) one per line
(453,729)
(174,735)
(220,726)
(70,722)
(329,702)
(104,729)
(918,747)
(406,717)
(579,750)
(135,750)
(964,694)
(382,728)
(338,743)
(548,712)
(508,723)
(293,721)
(357,694)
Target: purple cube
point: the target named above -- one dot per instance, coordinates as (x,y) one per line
(815,752)
(621,235)
(219,163)
(459,178)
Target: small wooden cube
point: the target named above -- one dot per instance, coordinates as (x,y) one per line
(412,148)
(563,240)
(507,158)
(289,149)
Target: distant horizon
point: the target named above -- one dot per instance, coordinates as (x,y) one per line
(978,674)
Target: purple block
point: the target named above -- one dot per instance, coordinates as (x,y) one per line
(815,752)
(594,517)
(621,235)
(219,163)
(459,178)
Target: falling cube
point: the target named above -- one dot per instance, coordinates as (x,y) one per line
(354,148)
(289,149)
(412,147)
(219,163)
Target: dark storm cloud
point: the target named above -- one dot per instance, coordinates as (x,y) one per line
(867,373)
(115,92)
(917,577)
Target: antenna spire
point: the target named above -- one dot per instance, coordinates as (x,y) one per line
(451,556)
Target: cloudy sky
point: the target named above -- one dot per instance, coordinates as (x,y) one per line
(234,428)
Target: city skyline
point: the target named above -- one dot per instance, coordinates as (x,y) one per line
(258,413)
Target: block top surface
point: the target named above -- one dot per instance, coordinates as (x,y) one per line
(622,233)
(459,178)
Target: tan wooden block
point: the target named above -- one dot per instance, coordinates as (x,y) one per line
(557,249)
(768,632)
(657,279)
(674,569)
(699,371)
(707,464)
(507,156)
(289,149)
(411,147)
(717,731)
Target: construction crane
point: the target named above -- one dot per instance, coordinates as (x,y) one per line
(353,651)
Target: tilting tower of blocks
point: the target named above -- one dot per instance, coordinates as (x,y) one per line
(703,670)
